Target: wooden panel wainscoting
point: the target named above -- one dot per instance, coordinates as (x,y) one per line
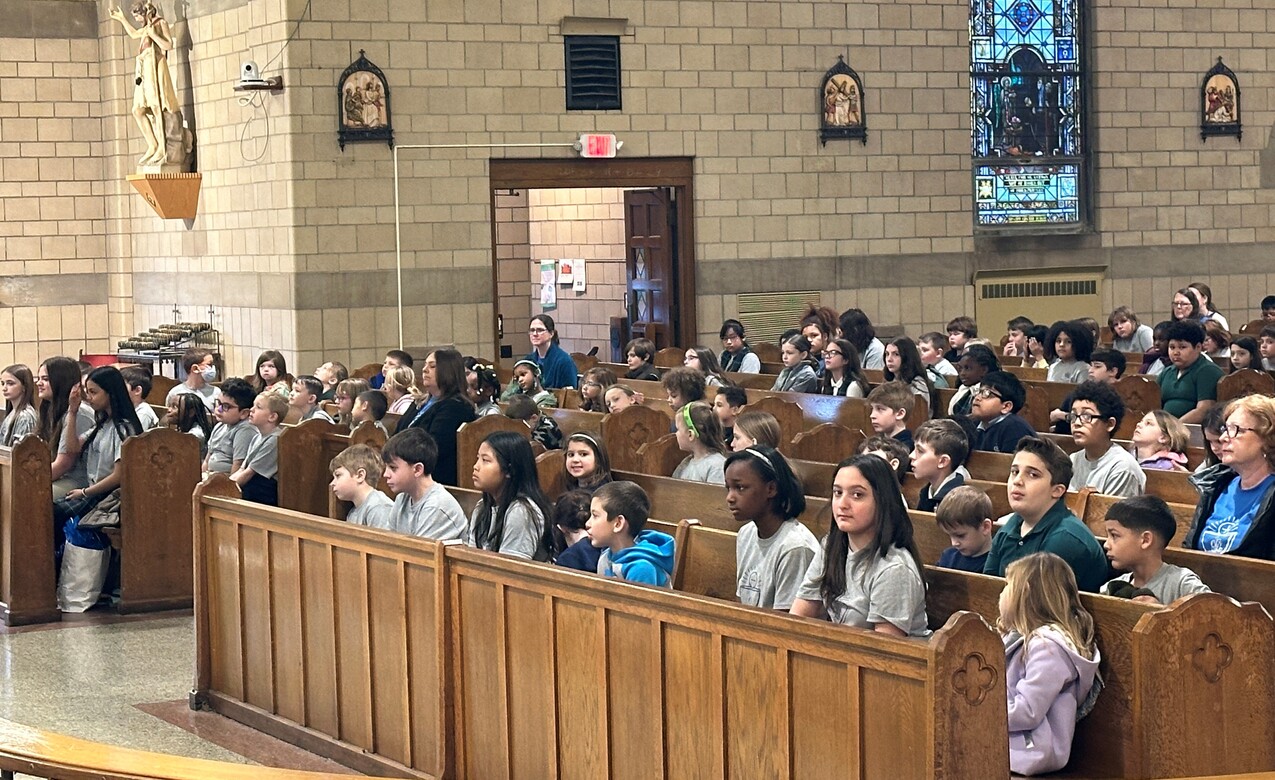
(562,675)
(321,633)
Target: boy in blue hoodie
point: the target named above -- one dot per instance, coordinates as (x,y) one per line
(617,517)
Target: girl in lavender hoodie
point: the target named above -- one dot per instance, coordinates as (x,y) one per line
(1051,661)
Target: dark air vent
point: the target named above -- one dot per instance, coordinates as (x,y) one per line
(593,72)
(1039,289)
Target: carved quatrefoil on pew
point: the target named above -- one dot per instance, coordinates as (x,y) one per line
(639,435)
(1212,657)
(974,679)
(32,464)
(163,459)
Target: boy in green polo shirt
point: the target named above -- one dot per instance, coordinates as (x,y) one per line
(1041,521)
(1188,387)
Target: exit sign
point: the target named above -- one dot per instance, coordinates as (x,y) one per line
(598,145)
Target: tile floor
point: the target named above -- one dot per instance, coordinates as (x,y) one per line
(124,681)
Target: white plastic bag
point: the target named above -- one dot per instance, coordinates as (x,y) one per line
(83,574)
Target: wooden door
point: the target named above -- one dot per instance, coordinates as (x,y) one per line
(651,265)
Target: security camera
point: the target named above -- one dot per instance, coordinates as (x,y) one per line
(249,73)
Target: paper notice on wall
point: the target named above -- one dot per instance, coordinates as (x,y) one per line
(565,271)
(548,284)
(577,284)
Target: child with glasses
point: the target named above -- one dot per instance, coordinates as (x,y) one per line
(232,435)
(996,404)
(1101,464)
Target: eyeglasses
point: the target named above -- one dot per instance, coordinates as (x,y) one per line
(1181,305)
(225,407)
(1083,418)
(537,330)
(987,392)
(837,352)
(1233,431)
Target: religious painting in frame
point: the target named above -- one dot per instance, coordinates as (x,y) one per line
(363,104)
(1220,103)
(841,109)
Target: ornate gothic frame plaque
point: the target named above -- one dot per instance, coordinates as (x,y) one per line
(363,104)
(841,110)
(1220,103)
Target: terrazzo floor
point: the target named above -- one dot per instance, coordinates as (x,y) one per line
(124,681)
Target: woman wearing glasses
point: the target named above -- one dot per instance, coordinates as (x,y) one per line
(1236,513)
(557,369)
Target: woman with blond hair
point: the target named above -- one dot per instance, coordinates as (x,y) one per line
(1236,513)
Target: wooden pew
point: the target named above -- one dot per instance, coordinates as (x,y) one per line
(575,421)
(462,635)
(366,371)
(38,753)
(828,442)
(656,676)
(626,431)
(160,469)
(1123,736)
(28,580)
(160,386)
(300,620)
(1247,382)
(1170,708)
(305,451)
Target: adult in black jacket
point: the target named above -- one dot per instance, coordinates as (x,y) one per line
(446,408)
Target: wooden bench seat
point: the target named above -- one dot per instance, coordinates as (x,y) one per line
(306,450)
(406,656)
(1139,728)
(40,753)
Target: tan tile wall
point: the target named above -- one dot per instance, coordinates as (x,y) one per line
(51,213)
(246,221)
(588,224)
(729,83)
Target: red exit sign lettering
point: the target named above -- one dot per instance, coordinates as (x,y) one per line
(598,145)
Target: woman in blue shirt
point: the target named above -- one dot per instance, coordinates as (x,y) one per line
(557,369)
(1236,513)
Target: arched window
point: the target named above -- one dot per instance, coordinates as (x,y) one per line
(1027,116)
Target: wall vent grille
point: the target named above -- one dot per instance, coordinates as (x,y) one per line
(593,72)
(1046,289)
(766,316)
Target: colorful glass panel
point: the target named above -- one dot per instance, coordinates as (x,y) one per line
(1027,122)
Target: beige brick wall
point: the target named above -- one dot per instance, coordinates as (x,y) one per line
(51,214)
(588,224)
(304,233)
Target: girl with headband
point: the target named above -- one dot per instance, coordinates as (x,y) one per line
(700,433)
(526,381)
(773,549)
(586,466)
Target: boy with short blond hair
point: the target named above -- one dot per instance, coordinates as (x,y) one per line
(1138,530)
(965,514)
(941,447)
(1040,520)
(891,403)
(422,507)
(256,477)
(617,525)
(940,370)
(356,471)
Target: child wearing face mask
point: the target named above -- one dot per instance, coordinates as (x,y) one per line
(200,374)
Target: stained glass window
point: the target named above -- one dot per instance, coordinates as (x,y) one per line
(1026,84)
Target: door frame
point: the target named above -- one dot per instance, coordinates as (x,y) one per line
(675,172)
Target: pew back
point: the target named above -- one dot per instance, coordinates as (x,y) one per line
(28,581)
(321,632)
